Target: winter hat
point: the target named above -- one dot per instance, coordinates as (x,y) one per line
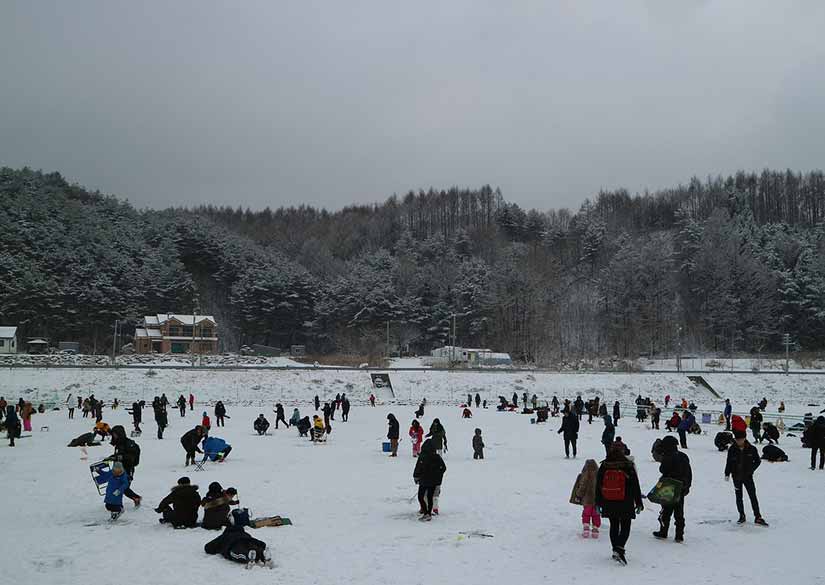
(669,444)
(215,488)
(183,481)
(117,468)
(204,413)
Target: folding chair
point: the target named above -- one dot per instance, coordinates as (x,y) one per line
(207,457)
(97,470)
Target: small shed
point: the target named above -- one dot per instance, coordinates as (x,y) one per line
(8,339)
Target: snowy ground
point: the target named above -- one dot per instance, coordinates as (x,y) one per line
(352,506)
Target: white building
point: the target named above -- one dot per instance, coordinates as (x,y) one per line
(472,357)
(8,339)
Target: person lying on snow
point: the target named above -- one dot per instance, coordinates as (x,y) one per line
(236,545)
(215,449)
(261,425)
(180,507)
(216,505)
(84,440)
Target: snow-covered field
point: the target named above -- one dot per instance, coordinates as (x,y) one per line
(352,506)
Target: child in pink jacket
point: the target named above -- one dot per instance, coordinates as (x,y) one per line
(416,437)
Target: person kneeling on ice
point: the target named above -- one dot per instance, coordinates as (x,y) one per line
(478,445)
(584,494)
(117,483)
(428,474)
(467,413)
(261,424)
(743,460)
(238,546)
(771,433)
(180,507)
(215,449)
(618,497)
(216,505)
(674,465)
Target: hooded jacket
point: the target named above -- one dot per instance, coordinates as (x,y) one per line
(393,432)
(261,424)
(429,468)
(609,431)
(216,505)
(675,464)
(439,436)
(191,439)
(184,500)
(233,535)
(816,433)
(570,425)
(115,486)
(633,493)
(212,446)
(741,463)
(584,490)
(126,450)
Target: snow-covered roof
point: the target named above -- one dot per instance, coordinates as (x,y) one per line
(151,320)
(38,342)
(139,332)
(8,332)
(185,319)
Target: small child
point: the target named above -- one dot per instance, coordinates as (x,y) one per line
(205,422)
(584,494)
(117,483)
(478,445)
(416,437)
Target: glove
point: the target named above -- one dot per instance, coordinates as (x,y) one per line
(727,478)
(158,510)
(639,508)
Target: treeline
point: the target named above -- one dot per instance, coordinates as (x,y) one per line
(724,264)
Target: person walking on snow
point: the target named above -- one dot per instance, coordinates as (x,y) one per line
(206,423)
(743,460)
(608,434)
(478,400)
(438,435)
(117,482)
(12,425)
(756,424)
(345,406)
(816,439)
(478,445)
(674,465)
(428,475)
(127,452)
(684,427)
(372,401)
(728,412)
(220,414)
(619,498)
(393,432)
(416,437)
(182,405)
(279,415)
(191,401)
(317,402)
(570,432)
(584,495)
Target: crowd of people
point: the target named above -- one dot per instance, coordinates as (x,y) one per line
(607,489)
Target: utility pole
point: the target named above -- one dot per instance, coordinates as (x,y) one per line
(388,340)
(786,339)
(114,343)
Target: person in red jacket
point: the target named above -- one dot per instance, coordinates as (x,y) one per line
(205,422)
(416,437)
(191,401)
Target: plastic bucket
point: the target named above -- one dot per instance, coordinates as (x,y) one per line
(386,447)
(532,421)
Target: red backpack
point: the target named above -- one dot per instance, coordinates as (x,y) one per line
(614,485)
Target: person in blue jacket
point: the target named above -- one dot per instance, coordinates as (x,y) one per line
(684,428)
(728,413)
(117,483)
(215,449)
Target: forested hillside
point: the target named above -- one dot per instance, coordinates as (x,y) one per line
(726,263)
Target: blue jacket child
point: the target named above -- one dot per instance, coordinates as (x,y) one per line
(117,483)
(215,448)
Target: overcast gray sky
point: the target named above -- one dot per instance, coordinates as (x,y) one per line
(331,103)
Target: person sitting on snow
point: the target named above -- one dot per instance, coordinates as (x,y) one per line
(673,422)
(216,505)
(466,413)
(215,449)
(261,424)
(180,507)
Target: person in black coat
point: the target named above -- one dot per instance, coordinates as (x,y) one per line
(770,432)
(743,459)
(478,400)
(261,425)
(393,433)
(127,452)
(216,505)
(345,406)
(579,405)
(191,443)
(317,402)
(756,424)
(723,440)
(815,435)
(137,416)
(618,469)
(280,417)
(428,475)
(236,545)
(220,414)
(608,434)
(180,507)
(674,465)
(570,430)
